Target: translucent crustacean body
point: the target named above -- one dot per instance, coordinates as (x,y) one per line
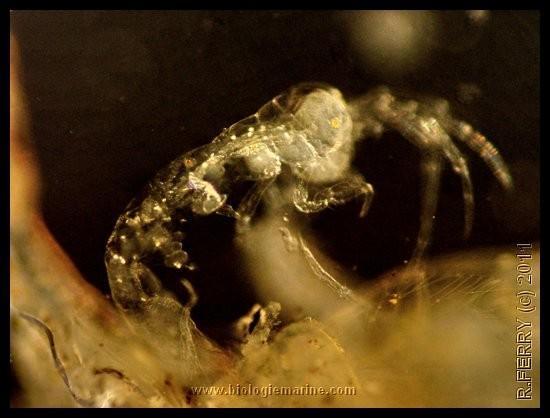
(310,132)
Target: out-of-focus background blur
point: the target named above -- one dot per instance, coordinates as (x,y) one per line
(114,96)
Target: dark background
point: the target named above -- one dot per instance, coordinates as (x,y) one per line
(114,96)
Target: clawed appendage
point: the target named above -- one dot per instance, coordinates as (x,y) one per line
(308,133)
(337,194)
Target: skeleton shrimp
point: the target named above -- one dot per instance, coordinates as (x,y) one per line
(310,131)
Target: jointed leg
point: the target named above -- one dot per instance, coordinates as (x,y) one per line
(460,167)
(154,313)
(476,141)
(430,137)
(249,204)
(431,171)
(323,275)
(352,187)
(131,285)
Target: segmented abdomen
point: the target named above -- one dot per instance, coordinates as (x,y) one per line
(147,227)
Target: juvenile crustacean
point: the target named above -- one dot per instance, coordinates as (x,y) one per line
(307,132)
